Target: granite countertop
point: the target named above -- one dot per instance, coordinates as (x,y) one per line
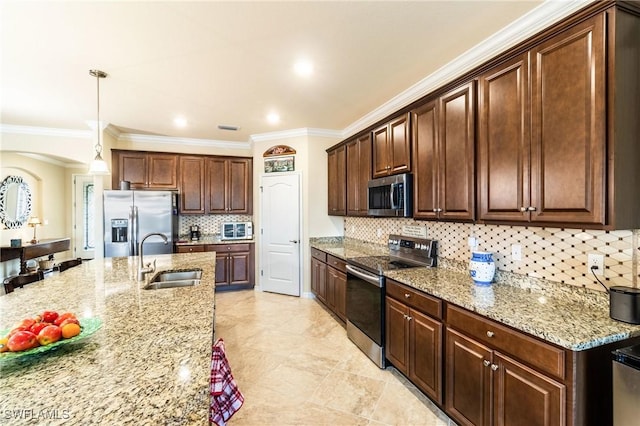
(209,239)
(148,364)
(571,317)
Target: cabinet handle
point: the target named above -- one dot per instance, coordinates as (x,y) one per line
(409,318)
(407,295)
(523,209)
(531,209)
(490,334)
(486,362)
(494,367)
(435,210)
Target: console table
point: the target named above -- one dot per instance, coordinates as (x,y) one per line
(32,251)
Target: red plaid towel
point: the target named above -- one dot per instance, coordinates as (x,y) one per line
(226,398)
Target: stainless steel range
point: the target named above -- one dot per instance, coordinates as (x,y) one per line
(366,290)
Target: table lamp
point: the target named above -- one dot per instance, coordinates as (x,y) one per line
(34,221)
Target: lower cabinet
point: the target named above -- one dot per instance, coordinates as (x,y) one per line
(329,282)
(196,248)
(485,387)
(414,339)
(234,265)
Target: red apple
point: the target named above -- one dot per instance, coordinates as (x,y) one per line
(35,328)
(21,341)
(49,316)
(49,334)
(63,317)
(69,321)
(16,329)
(27,323)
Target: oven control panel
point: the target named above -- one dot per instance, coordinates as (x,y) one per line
(417,249)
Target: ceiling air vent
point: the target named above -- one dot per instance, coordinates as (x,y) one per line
(225,127)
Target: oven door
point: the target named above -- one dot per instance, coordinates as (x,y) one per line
(365,312)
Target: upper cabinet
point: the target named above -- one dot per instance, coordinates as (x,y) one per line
(229,185)
(358,175)
(145,170)
(392,147)
(337,191)
(192,185)
(443,156)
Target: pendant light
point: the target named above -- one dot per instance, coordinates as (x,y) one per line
(98,165)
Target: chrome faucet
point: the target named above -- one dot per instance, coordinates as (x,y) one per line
(142,269)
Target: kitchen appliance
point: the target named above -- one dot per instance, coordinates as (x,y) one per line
(236,231)
(194,233)
(391,196)
(130,215)
(626,385)
(366,290)
(624,304)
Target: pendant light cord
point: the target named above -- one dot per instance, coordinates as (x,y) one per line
(98,146)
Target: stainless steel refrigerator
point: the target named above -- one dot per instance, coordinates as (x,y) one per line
(130,215)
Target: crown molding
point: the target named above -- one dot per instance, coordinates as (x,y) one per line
(45,131)
(548,13)
(51,160)
(131,137)
(294,133)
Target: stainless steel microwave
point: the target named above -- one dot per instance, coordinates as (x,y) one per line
(236,231)
(391,196)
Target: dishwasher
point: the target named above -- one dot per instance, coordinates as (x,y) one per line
(626,386)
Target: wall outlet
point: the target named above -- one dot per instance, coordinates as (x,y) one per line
(379,232)
(597,260)
(516,252)
(472,242)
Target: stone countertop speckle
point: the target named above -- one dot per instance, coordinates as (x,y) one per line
(148,364)
(573,318)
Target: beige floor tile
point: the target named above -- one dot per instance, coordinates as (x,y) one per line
(294,364)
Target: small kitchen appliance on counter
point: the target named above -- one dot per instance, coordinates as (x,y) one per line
(624,304)
(236,231)
(194,233)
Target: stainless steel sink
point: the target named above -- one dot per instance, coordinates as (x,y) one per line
(175,278)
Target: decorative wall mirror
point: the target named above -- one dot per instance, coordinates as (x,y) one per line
(15,202)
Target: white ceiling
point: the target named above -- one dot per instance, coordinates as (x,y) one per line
(227,63)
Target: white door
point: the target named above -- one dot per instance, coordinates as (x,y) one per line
(84,217)
(280,233)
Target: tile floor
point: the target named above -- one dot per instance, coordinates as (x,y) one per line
(295,366)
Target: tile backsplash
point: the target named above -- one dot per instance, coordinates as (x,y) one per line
(209,224)
(555,254)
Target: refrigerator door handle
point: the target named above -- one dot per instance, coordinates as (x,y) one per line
(135,230)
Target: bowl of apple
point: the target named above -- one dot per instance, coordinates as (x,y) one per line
(44,332)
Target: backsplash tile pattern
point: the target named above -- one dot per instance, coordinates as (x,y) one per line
(209,224)
(554,254)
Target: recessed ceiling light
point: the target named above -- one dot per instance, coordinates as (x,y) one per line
(303,68)
(180,122)
(273,118)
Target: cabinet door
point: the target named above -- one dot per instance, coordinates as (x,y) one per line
(468,398)
(162,171)
(322,282)
(239,186)
(456,154)
(358,175)
(339,294)
(337,181)
(400,145)
(192,185)
(569,125)
(381,160)
(240,267)
(522,393)
(317,275)
(397,334)
(133,168)
(503,141)
(425,163)
(222,268)
(425,354)
(216,185)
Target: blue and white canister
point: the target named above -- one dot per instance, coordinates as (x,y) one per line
(482,267)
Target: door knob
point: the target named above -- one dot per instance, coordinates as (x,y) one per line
(293,241)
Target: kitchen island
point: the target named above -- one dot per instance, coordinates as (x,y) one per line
(149,363)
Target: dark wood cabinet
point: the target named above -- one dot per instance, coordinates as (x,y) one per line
(145,170)
(358,175)
(548,166)
(337,191)
(329,282)
(392,147)
(414,339)
(196,248)
(229,185)
(234,265)
(443,135)
(192,185)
